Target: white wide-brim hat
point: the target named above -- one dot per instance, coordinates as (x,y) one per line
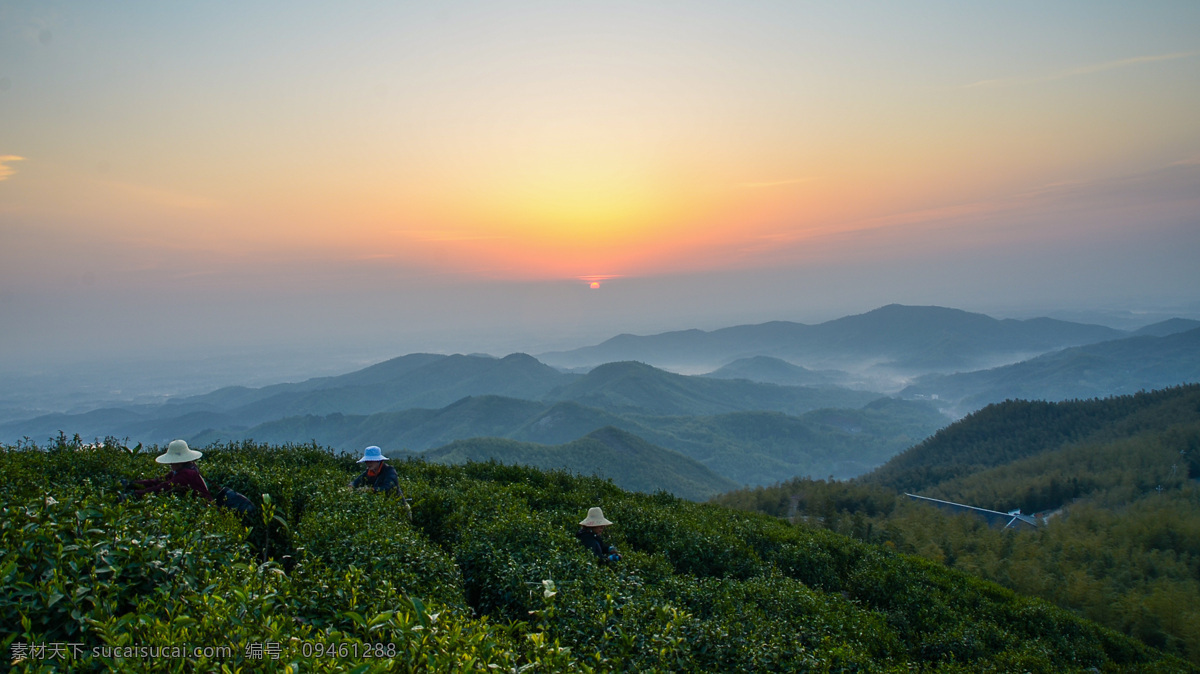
(178,452)
(595,518)
(373,453)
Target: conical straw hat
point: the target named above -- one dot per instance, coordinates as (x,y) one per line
(178,452)
(595,518)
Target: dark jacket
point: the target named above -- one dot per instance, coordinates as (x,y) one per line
(594,543)
(386,480)
(185,479)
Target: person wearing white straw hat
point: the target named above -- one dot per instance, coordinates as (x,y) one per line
(184,477)
(378,475)
(589,533)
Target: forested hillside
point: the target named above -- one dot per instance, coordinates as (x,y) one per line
(1117,477)
(1005,432)
(485,575)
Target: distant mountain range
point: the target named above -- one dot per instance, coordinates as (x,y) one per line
(894,339)
(426,382)
(778,400)
(747,432)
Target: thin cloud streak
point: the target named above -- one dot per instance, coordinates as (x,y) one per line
(5,169)
(1073,72)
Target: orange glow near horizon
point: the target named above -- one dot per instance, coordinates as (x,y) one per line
(594,282)
(541,221)
(543,142)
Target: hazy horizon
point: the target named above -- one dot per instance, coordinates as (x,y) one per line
(278,189)
(87,383)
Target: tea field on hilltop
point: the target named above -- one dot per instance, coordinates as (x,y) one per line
(483,575)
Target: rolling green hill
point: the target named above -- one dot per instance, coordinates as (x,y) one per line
(775,371)
(562,422)
(751,447)
(630,462)
(746,447)
(484,575)
(415,429)
(629,387)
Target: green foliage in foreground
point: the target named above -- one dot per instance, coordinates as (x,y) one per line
(485,575)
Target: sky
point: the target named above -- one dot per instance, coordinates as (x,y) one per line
(190,178)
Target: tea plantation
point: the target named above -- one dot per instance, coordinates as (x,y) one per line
(484,575)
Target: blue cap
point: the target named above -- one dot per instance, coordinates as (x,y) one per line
(373,453)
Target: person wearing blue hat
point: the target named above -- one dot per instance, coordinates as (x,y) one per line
(378,476)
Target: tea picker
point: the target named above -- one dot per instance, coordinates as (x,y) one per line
(183,478)
(590,530)
(380,477)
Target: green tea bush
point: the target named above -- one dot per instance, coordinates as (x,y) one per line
(73,556)
(503,548)
(486,575)
(371,532)
(689,541)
